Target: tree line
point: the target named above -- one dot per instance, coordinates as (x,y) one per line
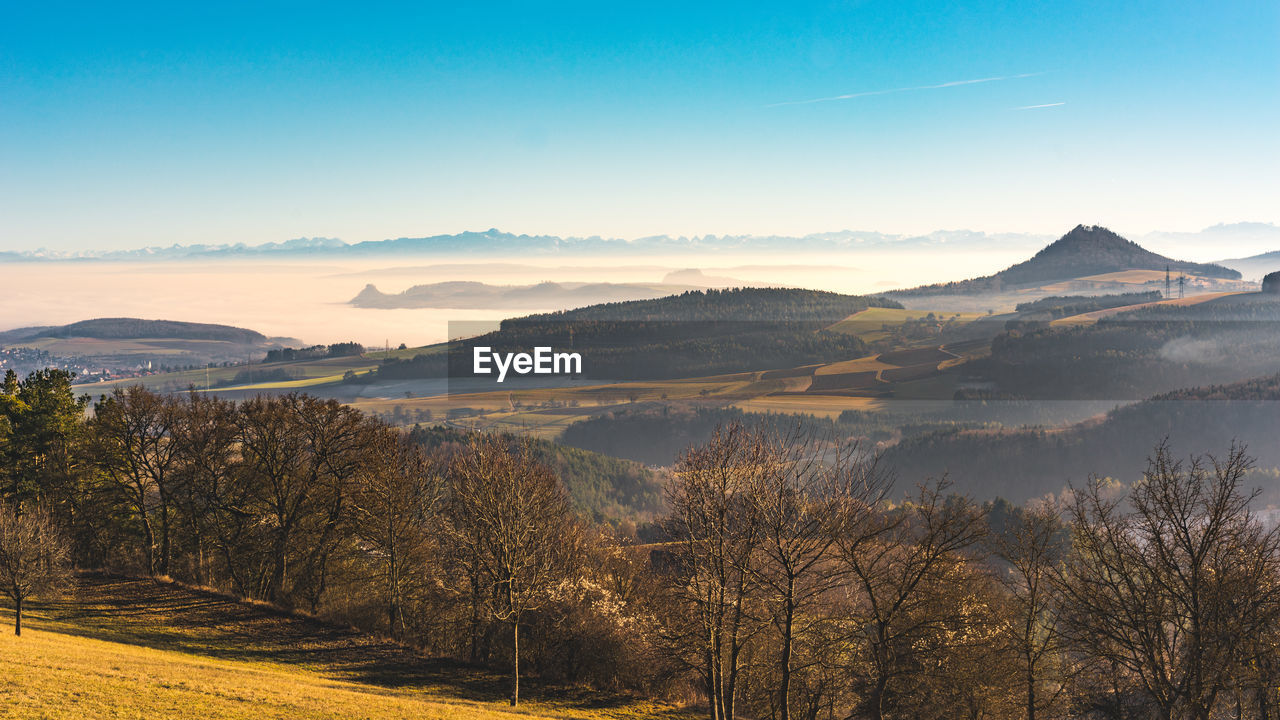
(1059,306)
(1136,353)
(1019,463)
(314,352)
(794,577)
(728,305)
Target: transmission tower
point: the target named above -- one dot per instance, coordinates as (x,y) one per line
(1182,285)
(1168,291)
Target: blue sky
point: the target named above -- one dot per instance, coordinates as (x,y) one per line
(122,127)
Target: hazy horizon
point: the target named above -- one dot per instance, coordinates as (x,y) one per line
(307,299)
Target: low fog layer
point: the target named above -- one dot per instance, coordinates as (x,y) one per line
(309,300)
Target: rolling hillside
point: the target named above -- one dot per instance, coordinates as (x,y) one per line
(1030,462)
(120,345)
(136,328)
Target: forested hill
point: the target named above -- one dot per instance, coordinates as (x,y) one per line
(1136,353)
(1028,463)
(737,304)
(693,334)
(1086,250)
(130,328)
(604,488)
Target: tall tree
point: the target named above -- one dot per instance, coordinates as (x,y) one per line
(212,494)
(1033,547)
(299,455)
(896,561)
(795,501)
(40,422)
(135,449)
(510,514)
(338,442)
(394,508)
(716,543)
(274,456)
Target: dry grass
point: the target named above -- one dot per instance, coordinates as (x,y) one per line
(56,675)
(136,649)
(869,324)
(820,405)
(863,364)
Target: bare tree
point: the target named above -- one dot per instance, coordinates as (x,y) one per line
(896,560)
(299,455)
(1172,586)
(135,450)
(1258,686)
(275,467)
(338,440)
(511,515)
(715,546)
(1033,548)
(796,500)
(394,506)
(213,494)
(34,556)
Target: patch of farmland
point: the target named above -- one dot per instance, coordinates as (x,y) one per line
(845,381)
(916,356)
(862,364)
(804,371)
(911,372)
(869,324)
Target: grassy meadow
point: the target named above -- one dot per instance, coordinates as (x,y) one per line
(122,648)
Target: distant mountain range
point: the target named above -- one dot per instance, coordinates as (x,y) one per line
(497,242)
(1086,251)
(494,241)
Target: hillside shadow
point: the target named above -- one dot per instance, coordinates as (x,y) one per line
(164,616)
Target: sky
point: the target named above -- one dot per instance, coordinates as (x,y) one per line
(127,126)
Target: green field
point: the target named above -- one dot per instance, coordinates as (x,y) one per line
(136,649)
